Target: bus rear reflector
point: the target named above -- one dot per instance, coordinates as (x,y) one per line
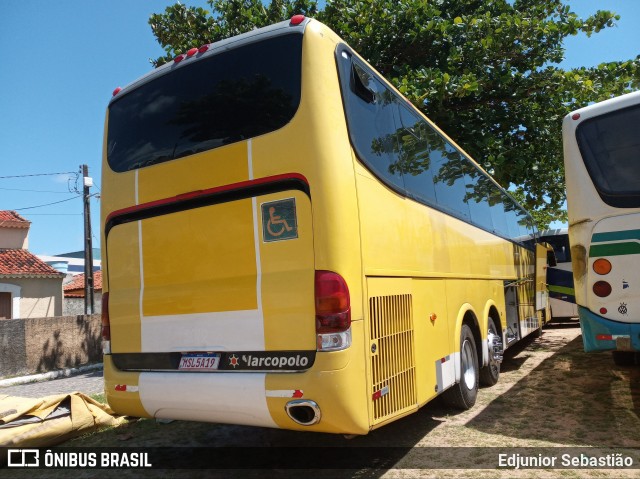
(604,337)
(601,289)
(333,311)
(106,325)
(602,266)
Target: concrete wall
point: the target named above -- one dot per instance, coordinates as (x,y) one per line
(72,306)
(37,345)
(14,238)
(38,297)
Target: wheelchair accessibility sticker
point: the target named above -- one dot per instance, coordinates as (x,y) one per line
(279,220)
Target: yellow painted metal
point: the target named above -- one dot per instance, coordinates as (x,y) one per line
(124,402)
(200,260)
(124,273)
(288,281)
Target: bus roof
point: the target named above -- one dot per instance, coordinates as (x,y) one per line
(213,49)
(605,106)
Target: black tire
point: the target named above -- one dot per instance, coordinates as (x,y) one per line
(624,358)
(463,394)
(490,374)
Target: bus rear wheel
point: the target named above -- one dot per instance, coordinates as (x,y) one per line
(490,374)
(463,394)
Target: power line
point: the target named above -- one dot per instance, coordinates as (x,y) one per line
(41,174)
(35,191)
(52,214)
(48,204)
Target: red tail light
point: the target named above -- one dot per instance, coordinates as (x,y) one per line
(106,327)
(333,311)
(602,289)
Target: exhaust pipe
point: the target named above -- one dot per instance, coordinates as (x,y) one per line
(303,412)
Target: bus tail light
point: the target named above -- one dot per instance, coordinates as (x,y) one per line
(106,325)
(604,337)
(602,289)
(602,266)
(333,312)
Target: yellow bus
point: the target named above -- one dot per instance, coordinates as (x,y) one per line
(289,243)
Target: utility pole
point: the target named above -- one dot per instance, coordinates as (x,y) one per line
(87,182)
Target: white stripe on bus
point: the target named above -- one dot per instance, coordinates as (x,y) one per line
(222,398)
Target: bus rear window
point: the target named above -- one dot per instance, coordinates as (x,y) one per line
(228,97)
(610,147)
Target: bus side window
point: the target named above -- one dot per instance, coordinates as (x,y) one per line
(358,86)
(371,114)
(414,157)
(448,167)
(478,187)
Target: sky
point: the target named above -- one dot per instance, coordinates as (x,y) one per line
(63,59)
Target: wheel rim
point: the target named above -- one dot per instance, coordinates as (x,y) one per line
(468,365)
(494,364)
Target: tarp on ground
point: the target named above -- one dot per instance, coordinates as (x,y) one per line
(51,420)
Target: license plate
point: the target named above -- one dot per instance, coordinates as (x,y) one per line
(199,361)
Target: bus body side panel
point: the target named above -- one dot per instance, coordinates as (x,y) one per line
(418,259)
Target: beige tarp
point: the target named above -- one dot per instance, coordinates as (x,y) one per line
(50,420)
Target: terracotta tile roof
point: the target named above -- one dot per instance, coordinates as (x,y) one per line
(11,219)
(21,263)
(75,289)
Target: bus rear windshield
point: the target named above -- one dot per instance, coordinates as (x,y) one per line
(610,147)
(228,97)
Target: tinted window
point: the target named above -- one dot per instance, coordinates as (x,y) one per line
(228,97)
(479,188)
(414,156)
(610,147)
(560,244)
(498,215)
(449,168)
(406,152)
(373,122)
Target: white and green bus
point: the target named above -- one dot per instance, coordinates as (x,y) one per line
(602,167)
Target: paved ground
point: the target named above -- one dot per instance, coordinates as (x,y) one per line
(87,383)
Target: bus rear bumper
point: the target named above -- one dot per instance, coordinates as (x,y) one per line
(601,334)
(248,398)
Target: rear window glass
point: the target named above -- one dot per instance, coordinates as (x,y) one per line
(232,96)
(610,147)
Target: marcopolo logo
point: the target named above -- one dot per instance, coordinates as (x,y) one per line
(269,360)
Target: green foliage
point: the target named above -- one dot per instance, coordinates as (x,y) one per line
(485,71)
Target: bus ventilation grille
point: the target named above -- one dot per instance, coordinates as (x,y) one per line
(392,356)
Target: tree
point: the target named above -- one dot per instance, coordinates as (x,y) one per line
(486,72)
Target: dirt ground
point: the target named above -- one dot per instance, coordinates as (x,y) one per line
(550,395)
